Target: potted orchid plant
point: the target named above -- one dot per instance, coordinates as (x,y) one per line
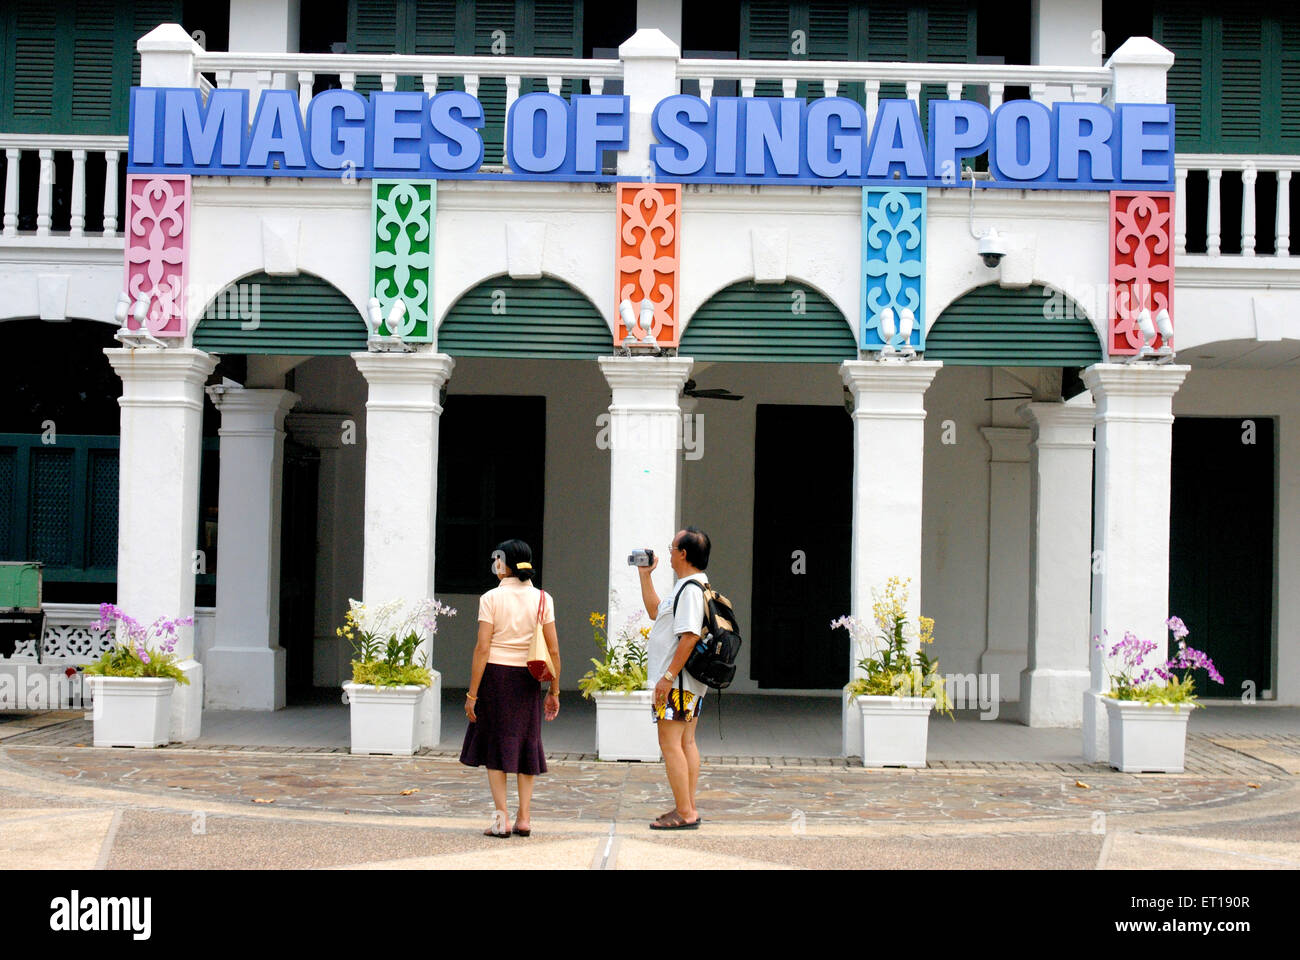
(617,683)
(898,684)
(132,682)
(1144,704)
(390,674)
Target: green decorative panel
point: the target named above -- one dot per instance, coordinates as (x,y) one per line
(298,316)
(401,254)
(780,323)
(543,318)
(994,327)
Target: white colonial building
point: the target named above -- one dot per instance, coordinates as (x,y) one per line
(273,458)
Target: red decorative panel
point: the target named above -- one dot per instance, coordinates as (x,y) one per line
(157,248)
(648,258)
(1141,265)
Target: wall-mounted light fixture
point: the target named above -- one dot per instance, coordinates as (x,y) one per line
(139,312)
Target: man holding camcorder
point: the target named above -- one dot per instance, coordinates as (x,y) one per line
(678,624)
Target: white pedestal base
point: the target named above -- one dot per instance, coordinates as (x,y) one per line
(245,678)
(187,704)
(1052,698)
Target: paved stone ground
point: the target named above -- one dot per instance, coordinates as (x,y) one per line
(1237,806)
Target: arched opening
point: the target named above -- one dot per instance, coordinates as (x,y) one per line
(300,315)
(542,318)
(997,327)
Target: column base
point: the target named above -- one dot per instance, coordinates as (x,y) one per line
(1096,729)
(245,678)
(851,720)
(1008,666)
(187,704)
(430,733)
(1052,698)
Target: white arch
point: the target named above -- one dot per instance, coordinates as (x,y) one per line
(789,279)
(1086,307)
(196,316)
(463,288)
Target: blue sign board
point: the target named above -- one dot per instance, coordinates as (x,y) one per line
(412,135)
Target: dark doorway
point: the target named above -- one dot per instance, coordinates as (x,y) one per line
(1221,547)
(803,522)
(298,569)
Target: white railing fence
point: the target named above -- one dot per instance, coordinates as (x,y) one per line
(1252,181)
(52,152)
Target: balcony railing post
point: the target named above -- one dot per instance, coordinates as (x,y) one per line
(1284,213)
(167,57)
(914,92)
(1180,211)
(1212,228)
(44,193)
(873,102)
(77,220)
(649,76)
(305,83)
(996,91)
(110,193)
(1138,70)
(1248,176)
(11,192)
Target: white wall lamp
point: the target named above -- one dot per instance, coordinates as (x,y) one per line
(639,339)
(1147,330)
(135,339)
(896,331)
(393,343)
(992,245)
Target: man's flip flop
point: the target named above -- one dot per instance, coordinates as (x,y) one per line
(674,821)
(674,810)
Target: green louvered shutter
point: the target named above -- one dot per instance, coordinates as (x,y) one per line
(778,323)
(766,28)
(556,31)
(1187,84)
(948,37)
(1289,77)
(297,316)
(376,26)
(92,68)
(35,55)
(992,326)
(1240,93)
(489,17)
(888,37)
(435,35)
(831,36)
(543,318)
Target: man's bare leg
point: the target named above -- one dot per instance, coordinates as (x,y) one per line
(672,733)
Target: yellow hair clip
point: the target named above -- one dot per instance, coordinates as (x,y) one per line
(524,566)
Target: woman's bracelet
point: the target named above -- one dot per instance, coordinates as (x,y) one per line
(469,697)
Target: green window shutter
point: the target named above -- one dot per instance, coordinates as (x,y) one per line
(1289,81)
(762,322)
(948,37)
(1185,34)
(297,316)
(831,37)
(36,53)
(556,31)
(889,36)
(766,28)
(377,26)
(435,29)
(995,327)
(93,72)
(145,15)
(1241,77)
(543,318)
(489,17)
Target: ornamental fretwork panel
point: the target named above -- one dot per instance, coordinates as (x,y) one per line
(401,255)
(893,264)
(648,257)
(1141,266)
(157,248)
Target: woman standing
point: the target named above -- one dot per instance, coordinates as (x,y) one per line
(504,704)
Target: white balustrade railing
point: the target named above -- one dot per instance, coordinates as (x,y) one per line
(989,81)
(1251,168)
(45,147)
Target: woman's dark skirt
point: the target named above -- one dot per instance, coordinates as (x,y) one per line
(508,732)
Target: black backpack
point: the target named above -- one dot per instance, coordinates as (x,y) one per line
(713,660)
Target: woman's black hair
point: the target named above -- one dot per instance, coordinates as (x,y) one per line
(513,553)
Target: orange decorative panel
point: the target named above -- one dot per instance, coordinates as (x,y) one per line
(649,256)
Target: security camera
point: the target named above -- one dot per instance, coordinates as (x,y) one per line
(992,248)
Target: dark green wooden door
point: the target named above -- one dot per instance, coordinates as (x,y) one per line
(803,521)
(298,567)
(1221,546)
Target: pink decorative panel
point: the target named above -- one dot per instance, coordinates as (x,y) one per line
(1141,265)
(157,247)
(649,215)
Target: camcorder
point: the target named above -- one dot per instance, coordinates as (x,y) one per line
(640,558)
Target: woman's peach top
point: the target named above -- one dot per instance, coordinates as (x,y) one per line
(511,608)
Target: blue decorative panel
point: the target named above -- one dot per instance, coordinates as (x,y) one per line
(893,261)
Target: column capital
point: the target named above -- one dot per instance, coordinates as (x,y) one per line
(1133,390)
(1059,425)
(1007,444)
(883,389)
(402,368)
(255,410)
(646,373)
(178,363)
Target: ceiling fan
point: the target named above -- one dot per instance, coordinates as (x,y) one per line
(712,393)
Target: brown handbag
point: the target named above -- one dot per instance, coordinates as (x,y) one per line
(540,664)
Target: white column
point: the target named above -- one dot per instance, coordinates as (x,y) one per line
(662,15)
(1138,71)
(402,414)
(649,75)
(158,501)
(263,26)
(888,453)
(245,664)
(1008,586)
(1130,580)
(1060,562)
(642,430)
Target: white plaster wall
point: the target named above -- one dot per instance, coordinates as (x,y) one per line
(1230,393)
(76,279)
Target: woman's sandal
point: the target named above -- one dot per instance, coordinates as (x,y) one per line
(522,833)
(674,821)
(491,832)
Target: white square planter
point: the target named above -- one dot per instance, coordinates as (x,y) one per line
(1147,737)
(384,719)
(895,730)
(132,711)
(625,730)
